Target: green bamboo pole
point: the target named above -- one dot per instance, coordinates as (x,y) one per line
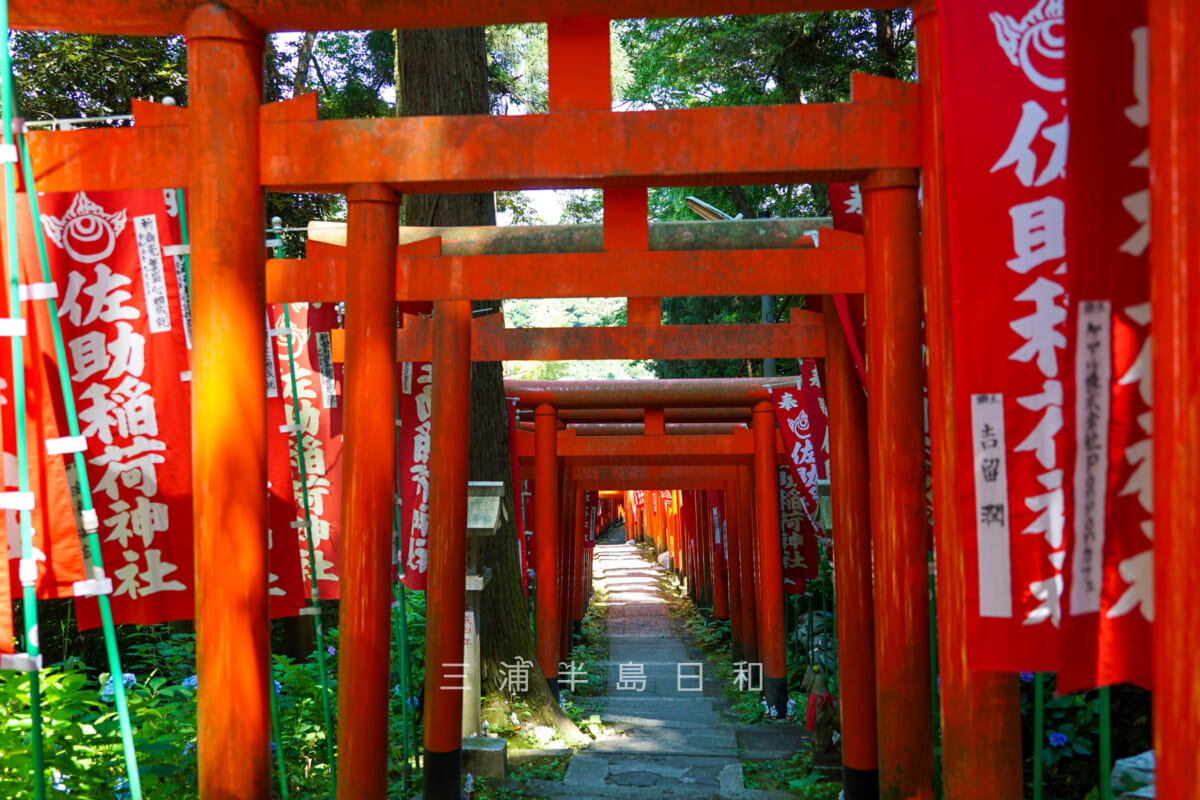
(934,692)
(399,616)
(277,224)
(90,521)
(28,567)
(1105,744)
(283,786)
(1039,732)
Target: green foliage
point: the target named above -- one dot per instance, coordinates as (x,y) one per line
(62,75)
(1069,748)
(793,774)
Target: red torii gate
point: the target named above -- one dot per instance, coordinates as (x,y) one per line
(229,150)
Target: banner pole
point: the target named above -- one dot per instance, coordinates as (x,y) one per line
(28,566)
(1039,701)
(283,787)
(90,520)
(277,224)
(1105,743)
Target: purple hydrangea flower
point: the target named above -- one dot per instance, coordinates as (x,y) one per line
(1026,677)
(1057,739)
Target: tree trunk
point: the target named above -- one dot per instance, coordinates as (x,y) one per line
(441,72)
(303,57)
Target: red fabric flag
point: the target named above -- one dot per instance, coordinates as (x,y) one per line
(518,490)
(799,499)
(318,390)
(126,351)
(1006,138)
(285,513)
(58,550)
(846,207)
(720,547)
(416,410)
(591,508)
(1108,607)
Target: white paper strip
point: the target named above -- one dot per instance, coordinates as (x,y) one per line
(177,250)
(325,365)
(1093,402)
(154,280)
(13,327)
(16,501)
(66,444)
(37,291)
(991,505)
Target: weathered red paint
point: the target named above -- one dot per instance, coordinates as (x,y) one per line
(851,506)
(368,499)
(900,532)
(421,155)
(445,596)
(1175,299)
(713,273)
(165,17)
(545,496)
(229,468)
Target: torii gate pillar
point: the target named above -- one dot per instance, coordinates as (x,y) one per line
(229,464)
(900,530)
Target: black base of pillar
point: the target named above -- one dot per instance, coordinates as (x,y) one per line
(443,775)
(775,692)
(577,628)
(554,690)
(860,784)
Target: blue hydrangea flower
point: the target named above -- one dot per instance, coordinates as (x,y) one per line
(59,781)
(278,687)
(331,650)
(109,692)
(190,682)
(1057,739)
(1026,677)
(188,747)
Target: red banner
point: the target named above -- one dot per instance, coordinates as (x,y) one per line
(319,394)
(57,550)
(799,499)
(126,351)
(518,490)
(416,410)
(1109,603)
(1006,149)
(846,208)
(285,512)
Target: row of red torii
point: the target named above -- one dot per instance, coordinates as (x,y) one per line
(226,147)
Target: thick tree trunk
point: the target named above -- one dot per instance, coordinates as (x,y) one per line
(445,72)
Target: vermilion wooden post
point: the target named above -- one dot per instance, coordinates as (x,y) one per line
(900,532)
(1175,304)
(851,504)
(745,505)
(445,596)
(566,561)
(771,633)
(733,546)
(579,585)
(545,496)
(364,664)
(981,711)
(229,468)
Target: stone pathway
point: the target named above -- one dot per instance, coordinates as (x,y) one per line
(670,740)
